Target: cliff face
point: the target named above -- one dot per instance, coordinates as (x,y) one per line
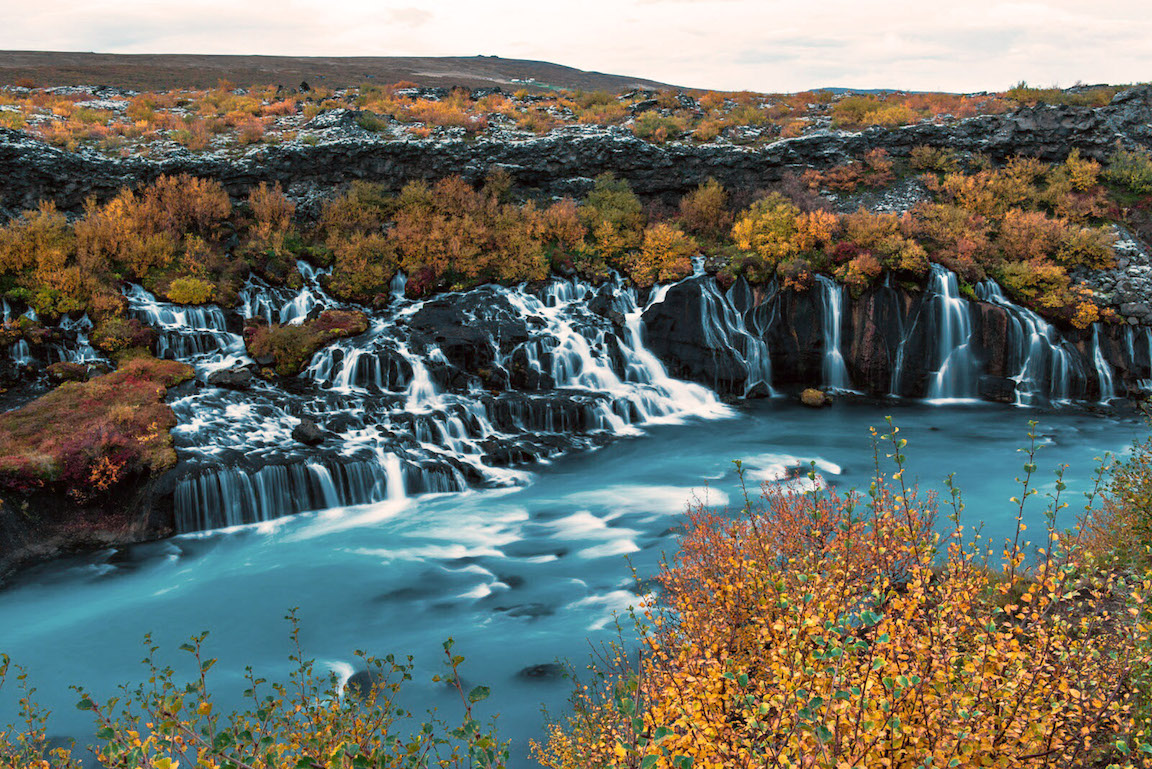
(562,163)
(892,341)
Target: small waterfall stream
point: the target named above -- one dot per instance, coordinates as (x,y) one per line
(725,328)
(835,373)
(1103,370)
(953,365)
(1041,358)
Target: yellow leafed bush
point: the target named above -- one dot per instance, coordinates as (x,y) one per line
(832,630)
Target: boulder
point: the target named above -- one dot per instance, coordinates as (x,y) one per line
(309,433)
(997,388)
(235,378)
(547,671)
(814,398)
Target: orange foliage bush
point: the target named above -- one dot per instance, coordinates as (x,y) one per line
(704,211)
(829,630)
(665,255)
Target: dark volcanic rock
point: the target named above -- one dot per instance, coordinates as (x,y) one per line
(548,671)
(309,433)
(468,328)
(563,162)
(678,331)
(997,388)
(236,378)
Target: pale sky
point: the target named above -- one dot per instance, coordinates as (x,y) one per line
(762,45)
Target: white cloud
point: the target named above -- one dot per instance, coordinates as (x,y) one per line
(734,44)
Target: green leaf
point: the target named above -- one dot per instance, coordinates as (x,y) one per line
(85,703)
(649,762)
(479,693)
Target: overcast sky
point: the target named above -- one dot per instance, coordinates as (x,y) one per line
(763,45)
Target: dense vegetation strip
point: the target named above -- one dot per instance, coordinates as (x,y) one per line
(1028,224)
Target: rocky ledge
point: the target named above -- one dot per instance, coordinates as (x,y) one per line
(564,161)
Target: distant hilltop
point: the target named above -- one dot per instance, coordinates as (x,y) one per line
(44,69)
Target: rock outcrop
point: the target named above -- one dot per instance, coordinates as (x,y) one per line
(565,161)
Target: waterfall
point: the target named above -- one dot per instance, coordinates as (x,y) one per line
(20,352)
(954,368)
(725,328)
(1103,370)
(194,334)
(835,373)
(1041,358)
(398,416)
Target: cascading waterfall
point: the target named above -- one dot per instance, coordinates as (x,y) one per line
(1042,359)
(725,327)
(1103,370)
(835,373)
(401,415)
(20,352)
(954,367)
(194,334)
(397,428)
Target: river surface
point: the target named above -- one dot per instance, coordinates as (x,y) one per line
(518,576)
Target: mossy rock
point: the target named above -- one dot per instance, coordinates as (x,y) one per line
(814,398)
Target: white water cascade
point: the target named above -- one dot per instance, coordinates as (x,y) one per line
(835,373)
(1042,359)
(394,404)
(725,329)
(1103,370)
(954,368)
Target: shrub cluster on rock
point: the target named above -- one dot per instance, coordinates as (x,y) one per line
(288,348)
(83,438)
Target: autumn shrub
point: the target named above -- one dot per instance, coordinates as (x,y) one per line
(654,127)
(271,210)
(308,721)
(665,255)
(1027,95)
(820,628)
(363,267)
(867,109)
(956,238)
(189,290)
(1131,169)
(767,232)
(1124,529)
(87,437)
(938,159)
(704,211)
(116,333)
(874,171)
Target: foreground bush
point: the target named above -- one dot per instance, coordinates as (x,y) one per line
(839,630)
(307,722)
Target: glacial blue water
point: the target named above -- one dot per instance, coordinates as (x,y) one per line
(518,576)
